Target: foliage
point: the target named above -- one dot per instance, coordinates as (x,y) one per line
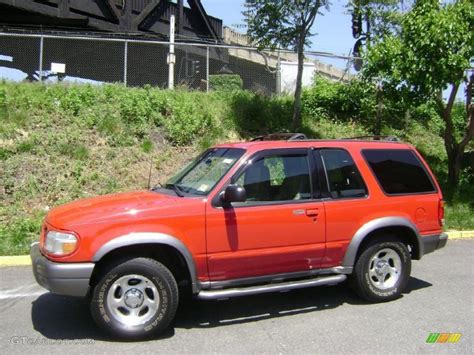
(431,52)
(225,82)
(284,23)
(17,238)
(340,101)
(274,24)
(353,101)
(255,114)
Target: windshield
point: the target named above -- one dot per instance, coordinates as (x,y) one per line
(201,175)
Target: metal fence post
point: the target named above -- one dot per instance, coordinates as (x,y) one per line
(207,69)
(125,63)
(40,75)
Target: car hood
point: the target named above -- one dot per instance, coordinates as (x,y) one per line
(117,207)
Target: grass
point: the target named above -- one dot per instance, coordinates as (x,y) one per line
(459,216)
(63,142)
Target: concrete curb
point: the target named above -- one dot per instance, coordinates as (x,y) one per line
(21,260)
(25,260)
(460,234)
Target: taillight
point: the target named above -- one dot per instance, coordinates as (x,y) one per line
(441,213)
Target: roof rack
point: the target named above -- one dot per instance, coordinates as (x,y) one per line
(375,138)
(280,137)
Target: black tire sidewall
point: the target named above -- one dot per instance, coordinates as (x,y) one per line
(366,289)
(165,285)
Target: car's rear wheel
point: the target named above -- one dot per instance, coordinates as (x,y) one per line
(382,271)
(135,299)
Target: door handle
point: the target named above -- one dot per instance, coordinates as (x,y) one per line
(314,212)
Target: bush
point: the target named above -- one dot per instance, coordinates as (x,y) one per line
(225,82)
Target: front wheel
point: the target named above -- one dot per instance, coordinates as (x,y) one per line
(135,299)
(382,271)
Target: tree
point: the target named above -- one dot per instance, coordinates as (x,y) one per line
(429,55)
(284,23)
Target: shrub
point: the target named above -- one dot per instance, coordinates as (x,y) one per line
(225,82)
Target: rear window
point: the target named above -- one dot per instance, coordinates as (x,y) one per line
(399,171)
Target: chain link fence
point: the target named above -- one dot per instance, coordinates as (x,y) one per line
(53,58)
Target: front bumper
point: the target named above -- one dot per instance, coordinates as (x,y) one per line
(434,242)
(70,279)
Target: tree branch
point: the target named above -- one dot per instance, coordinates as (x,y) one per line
(312,16)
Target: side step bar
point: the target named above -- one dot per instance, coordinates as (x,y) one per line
(284,286)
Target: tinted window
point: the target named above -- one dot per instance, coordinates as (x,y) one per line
(277,178)
(398,171)
(344,179)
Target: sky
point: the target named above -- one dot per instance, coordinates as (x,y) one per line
(333,32)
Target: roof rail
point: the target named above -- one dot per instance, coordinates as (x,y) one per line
(280,137)
(375,138)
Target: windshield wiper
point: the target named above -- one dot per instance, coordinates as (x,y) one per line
(176,188)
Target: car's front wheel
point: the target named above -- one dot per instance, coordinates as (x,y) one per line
(135,299)
(382,271)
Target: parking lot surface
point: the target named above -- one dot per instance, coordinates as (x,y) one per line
(439,299)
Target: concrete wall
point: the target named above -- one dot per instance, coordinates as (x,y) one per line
(232,37)
(288,76)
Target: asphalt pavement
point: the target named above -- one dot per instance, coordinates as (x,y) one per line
(439,299)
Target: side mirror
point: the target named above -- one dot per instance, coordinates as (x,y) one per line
(234,193)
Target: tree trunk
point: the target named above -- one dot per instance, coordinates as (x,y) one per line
(456,150)
(454,168)
(299,79)
(452,148)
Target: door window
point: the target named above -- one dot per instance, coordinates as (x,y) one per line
(277,178)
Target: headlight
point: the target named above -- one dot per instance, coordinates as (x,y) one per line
(59,243)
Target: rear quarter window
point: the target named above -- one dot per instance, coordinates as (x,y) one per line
(344,179)
(399,171)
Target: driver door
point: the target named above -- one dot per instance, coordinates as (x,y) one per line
(281,226)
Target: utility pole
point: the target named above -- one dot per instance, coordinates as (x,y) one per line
(171,56)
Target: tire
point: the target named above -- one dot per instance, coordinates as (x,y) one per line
(135,299)
(382,271)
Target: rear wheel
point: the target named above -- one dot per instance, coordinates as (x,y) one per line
(382,271)
(135,299)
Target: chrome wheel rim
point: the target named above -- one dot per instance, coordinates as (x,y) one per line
(385,268)
(133,300)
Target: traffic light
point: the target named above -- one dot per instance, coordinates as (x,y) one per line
(356,52)
(356,24)
(192,67)
(196,67)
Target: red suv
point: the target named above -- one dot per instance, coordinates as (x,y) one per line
(246,218)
